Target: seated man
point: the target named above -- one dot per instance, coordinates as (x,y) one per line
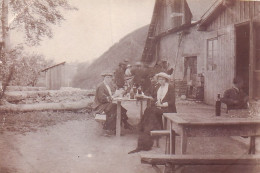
(103,103)
(235,97)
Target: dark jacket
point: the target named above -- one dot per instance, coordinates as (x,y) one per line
(120,77)
(169,97)
(102,98)
(235,99)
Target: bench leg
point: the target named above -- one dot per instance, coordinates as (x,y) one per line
(252,145)
(167,145)
(157,142)
(157,170)
(169,168)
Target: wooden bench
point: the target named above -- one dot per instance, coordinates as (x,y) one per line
(100,118)
(184,160)
(160,133)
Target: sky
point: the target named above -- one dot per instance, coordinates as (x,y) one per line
(98,24)
(94,28)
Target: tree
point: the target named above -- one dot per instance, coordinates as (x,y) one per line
(34,18)
(27,70)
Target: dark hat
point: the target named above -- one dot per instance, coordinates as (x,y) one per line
(106,74)
(122,63)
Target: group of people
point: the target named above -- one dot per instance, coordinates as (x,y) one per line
(155,82)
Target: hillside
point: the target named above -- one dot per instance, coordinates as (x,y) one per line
(130,47)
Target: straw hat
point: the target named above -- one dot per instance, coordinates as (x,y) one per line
(106,74)
(138,63)
(164,75)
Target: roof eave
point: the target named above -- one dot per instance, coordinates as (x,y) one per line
(211,16)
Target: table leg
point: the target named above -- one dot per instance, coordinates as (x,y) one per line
(172,140)
(164,123)
(118,119)
(141,108)
(183,141)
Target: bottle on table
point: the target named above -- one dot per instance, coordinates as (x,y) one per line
(218,106)
(132,94)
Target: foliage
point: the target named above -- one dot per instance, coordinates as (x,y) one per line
(34,17)
(22,69)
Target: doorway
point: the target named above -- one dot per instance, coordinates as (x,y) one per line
(242,54)
(190,74)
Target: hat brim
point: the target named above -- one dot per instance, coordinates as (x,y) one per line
(163,75)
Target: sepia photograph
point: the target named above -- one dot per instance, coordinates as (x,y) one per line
(130,86)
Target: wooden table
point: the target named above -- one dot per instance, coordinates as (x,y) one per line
(118,101)
(208,125)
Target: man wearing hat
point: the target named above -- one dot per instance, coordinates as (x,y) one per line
(103,103)
(235,97)
(120,75)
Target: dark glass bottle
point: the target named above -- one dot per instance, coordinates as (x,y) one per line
(132,94)
(218,106)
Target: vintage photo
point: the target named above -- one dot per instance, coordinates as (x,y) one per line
(130,86)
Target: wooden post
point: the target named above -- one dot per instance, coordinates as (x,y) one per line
(251,56)
(118,119)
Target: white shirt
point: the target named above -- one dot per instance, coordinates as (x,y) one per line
(108,88)
(162,92)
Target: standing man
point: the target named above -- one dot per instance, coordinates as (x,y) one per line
(103,103)
(120,75)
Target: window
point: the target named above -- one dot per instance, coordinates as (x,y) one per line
(212,50)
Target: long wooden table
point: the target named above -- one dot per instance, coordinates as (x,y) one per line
(208,125)
(119,101)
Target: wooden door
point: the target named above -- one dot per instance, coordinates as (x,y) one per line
(256,61)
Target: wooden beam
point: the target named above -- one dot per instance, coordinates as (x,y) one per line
(161,159)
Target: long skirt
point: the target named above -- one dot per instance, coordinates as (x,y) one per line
(151,120)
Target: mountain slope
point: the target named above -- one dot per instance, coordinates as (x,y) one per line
(130,47)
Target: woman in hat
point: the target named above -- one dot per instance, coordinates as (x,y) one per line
(164,102)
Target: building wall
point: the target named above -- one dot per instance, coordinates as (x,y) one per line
(220,78)
(237,13)
(223,27)
(55,78)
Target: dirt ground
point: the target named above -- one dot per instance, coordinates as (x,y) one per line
(73,142)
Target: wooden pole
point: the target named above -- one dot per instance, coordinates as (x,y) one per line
(118,119)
